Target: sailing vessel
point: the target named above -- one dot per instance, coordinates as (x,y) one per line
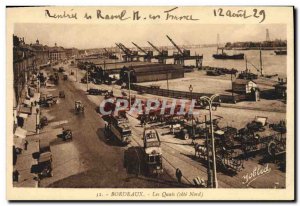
(223,55)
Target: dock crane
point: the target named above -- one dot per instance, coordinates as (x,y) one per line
(162,54)
(109,54)
(180,52)
(148,54)
(182,55)
(126,54)
(129,55)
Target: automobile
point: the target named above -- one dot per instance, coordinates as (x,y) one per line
(79,107)
(44,146)
(258,124)
(43,121)
(47,100)
(67,134)
(45,165)
(93,91)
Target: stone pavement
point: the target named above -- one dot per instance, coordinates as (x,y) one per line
(25,160)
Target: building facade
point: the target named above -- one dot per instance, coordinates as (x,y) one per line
(71,52)
(41,53)
(56,53)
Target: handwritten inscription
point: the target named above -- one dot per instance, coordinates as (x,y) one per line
(63,15)
(256,173)
(244,14)
(167,15)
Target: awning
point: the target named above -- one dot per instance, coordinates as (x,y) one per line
(46,156)
(18,142)
(20,132)
(26,110)
(23,115)
(27,102)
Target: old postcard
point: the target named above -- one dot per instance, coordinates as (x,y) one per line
(150,103)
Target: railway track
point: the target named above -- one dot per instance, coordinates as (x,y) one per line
(235,180)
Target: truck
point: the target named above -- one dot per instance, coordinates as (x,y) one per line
(118,126)
(152,152)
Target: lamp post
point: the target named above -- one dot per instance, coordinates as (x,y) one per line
(87,78)
(37,128)
(128,73)
(168,81)
(210,100)
(209,180)
(76,73)
(193,130)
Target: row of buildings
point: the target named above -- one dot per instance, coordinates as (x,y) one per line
(28,57)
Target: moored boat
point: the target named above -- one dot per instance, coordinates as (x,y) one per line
(223,55)
(280,52)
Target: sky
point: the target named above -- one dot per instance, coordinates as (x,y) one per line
(85,36)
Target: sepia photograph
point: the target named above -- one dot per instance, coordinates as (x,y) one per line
(143,103)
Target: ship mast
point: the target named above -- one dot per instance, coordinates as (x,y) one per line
(260,63)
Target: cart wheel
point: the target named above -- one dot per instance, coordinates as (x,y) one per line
(272,148)
(186,136)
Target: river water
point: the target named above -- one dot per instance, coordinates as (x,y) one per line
(272,64)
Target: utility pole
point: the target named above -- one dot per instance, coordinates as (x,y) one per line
(260,63)
(76,73)
(168,81)
(210,101)
(128,73)
(37,129)
(246,64)
(209,180)
(193,129)
(87,79)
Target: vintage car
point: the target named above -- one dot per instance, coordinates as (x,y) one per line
(43,121)
(93,91)
(47,100)
(79,107)
(45,165)
(67,134)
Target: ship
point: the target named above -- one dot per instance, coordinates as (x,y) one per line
(280,52)
(223,55)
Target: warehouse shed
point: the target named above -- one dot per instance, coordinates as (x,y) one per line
(243,86)
(155,72)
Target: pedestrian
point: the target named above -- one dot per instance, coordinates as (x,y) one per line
(26,144)
(178,175)
(16,175)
